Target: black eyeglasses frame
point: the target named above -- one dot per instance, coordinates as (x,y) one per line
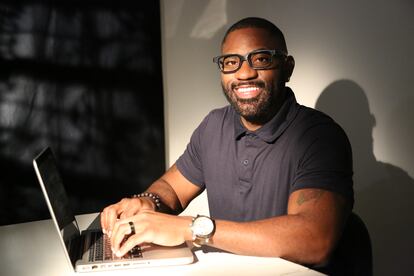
(273,53)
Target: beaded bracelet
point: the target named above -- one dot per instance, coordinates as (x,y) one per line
(155,198)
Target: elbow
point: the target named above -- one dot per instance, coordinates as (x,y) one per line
(321,258)
(319,246)
(314,253)
(321,252)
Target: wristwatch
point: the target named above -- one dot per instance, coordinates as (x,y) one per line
(202,228)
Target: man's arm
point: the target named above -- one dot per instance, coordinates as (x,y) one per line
(307,234)
(173,188)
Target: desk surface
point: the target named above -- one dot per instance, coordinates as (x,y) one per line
(34,249)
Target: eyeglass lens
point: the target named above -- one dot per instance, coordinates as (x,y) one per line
(257,60)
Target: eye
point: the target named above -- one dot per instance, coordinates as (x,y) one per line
(231,61)
(261,59)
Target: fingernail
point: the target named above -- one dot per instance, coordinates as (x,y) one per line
(118,254)
(109,233)
(104,231)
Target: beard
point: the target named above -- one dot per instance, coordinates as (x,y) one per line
(257,110)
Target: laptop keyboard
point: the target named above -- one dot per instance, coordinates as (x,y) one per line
(100,249)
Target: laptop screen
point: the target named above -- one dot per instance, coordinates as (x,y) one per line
(56,198)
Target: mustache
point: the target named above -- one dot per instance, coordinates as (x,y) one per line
(259,84)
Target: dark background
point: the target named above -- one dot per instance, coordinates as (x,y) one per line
(83,77)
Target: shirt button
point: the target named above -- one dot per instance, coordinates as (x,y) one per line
(245,162)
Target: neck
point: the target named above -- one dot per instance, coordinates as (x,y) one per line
(249,125)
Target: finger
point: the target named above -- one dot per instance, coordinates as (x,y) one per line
(130,243)
(118,235)
(104,218)
(103,221)
(111,219)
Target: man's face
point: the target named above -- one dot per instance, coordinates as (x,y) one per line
(255,94)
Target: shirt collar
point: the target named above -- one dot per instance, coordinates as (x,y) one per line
(270,131)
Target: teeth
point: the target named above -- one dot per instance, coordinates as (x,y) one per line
(246,89)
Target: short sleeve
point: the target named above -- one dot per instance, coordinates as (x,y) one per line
(325,160)
(190,162)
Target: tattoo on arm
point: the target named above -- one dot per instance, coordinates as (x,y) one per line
(305,196)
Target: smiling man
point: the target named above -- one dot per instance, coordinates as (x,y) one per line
(278,174)
(257,91)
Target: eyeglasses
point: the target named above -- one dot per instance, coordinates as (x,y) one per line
(258,60)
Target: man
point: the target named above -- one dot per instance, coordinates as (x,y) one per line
(278,174)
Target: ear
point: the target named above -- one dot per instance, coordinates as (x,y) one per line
(288,67)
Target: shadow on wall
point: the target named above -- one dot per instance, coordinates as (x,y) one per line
(382,191)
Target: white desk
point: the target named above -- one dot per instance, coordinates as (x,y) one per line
(34,249)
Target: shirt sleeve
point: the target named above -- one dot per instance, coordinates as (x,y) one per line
(190,162)
(325,160)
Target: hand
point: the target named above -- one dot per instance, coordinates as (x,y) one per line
(150,227)
(125,208)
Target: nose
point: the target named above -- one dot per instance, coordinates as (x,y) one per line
(246,72)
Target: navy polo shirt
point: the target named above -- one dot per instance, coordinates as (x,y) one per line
(250,175)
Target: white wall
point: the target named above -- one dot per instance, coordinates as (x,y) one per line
(354,60)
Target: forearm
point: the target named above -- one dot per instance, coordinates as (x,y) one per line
(174,190)
(170,203)
(289,237)
(308,234)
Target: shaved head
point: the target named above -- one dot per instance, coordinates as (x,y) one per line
(260,23)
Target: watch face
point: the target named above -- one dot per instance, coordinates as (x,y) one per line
(203,226)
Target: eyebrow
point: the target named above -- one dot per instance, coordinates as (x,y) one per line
(258,49)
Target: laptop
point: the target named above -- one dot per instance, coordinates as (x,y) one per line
(90,250)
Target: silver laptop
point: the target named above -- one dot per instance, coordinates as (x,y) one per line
(90,250)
